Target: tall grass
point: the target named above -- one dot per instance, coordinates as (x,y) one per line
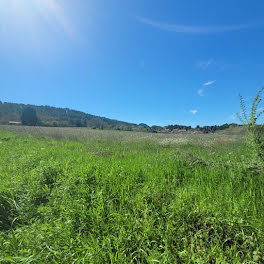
(129,200)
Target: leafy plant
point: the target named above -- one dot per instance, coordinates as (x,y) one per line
(255,131)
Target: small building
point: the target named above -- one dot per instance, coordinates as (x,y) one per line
(14,123)
(176,131)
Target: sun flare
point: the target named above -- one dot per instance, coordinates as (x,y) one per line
(30,17)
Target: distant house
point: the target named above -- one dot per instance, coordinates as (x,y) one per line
(175,131)
(14,123)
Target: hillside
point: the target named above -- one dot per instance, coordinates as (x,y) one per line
(63,117)
(234,130)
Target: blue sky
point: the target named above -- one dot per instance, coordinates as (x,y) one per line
(156,62)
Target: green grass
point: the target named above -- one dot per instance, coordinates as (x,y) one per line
(234,130)
(79,196)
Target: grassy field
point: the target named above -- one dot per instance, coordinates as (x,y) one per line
(70,195)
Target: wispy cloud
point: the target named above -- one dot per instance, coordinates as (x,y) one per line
(142,63)
(53,11)
(194,112)
(261,109)
(201,92)
(232,118)
(199,30)
(209,83)
(204,64)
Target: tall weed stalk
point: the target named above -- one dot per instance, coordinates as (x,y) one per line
(255,131)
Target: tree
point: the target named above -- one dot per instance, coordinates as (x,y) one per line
(29,117)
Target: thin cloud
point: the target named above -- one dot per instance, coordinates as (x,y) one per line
(194,112)
(209,83)
(260,109)
(232,118)
(53,11)
(201,92)
(204,64)
(142,63)
(198,30)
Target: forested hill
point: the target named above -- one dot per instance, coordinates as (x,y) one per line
(65,117)
(53,116)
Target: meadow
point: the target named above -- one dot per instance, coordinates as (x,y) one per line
(73,195)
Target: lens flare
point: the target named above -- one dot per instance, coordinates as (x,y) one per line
(30,17)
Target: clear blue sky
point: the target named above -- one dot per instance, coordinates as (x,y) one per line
(157,62)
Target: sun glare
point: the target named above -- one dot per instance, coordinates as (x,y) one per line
(31,17)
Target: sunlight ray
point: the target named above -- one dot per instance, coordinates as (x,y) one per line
(32,15)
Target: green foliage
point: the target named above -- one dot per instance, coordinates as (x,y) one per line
(29,116)
(255,131)
(114,197)
(63,117)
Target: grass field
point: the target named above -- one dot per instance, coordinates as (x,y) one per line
(70,195)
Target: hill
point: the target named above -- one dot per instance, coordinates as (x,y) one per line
(234,130)
(64,117)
